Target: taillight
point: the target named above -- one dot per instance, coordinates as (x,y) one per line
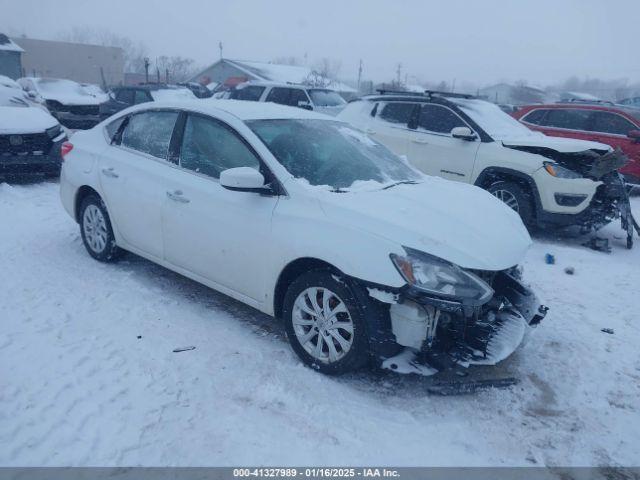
(65,148)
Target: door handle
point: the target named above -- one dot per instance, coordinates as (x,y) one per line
(420,141)
(176,196)
(109,172)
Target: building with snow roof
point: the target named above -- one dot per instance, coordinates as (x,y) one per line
(233,72)
(10,58)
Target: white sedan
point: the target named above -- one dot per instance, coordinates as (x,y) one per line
(307,219)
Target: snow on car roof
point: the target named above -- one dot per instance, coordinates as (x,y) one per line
(245,110)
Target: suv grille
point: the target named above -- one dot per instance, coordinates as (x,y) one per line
(27,144)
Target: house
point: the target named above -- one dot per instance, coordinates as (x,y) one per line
(507,94)
(80,62)
(232,72)
(10,58)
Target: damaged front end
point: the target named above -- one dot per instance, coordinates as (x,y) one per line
(443,322)
(611,200)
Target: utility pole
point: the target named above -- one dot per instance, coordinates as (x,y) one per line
(399,74)
(220,47)
(146,69)
(359,74)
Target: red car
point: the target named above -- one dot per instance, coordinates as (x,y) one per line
(615,125)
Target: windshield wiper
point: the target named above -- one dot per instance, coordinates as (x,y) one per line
(403,182)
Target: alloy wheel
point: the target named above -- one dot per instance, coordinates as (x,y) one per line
(322,324)
(95,228)
(507,197)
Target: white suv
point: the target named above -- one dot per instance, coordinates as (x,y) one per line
(547,180)
(322,100)
(307,219)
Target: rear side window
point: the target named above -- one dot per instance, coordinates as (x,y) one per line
(570,118)
(125,96)
(251,93)
(209,147)
(150,132)
(612,123)
(435,118)
(397,112)
(535,117)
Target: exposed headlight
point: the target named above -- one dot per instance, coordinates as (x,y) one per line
(556,170)
(53,132)
(441,278)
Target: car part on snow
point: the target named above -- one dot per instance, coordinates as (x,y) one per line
(183,349)
(569,270)
(598,244)
(469,387)
(549,259)
(441,333)
(607,330)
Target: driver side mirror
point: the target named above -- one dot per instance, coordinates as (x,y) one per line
(304,104)
(244,179)
(463,133)
(634,135)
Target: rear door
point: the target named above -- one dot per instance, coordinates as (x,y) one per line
(215,233)
(133,174)
(391,126)
(434,151)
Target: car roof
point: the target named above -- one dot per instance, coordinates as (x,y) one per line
(242,109)
(269,83)
(629,111)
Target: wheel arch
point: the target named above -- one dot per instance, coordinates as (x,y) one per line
(491,175)
(82,193)
(292,271)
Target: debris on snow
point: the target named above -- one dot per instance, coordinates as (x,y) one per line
(549,259)
(607,330)
(183,349)
(569,270)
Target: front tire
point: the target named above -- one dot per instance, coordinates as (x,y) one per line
(95,229)
(325,323)
(516,198)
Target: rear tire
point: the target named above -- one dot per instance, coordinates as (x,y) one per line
(516,198)
(95,229)
(325,323)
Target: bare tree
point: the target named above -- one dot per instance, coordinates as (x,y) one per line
(179,69)
(328,68)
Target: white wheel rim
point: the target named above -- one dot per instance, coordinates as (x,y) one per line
(322,324)
(507,197)
(95,228)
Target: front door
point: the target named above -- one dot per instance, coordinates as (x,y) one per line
(218,234)
(434,151)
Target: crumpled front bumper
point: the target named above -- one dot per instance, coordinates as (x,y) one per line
(453,334)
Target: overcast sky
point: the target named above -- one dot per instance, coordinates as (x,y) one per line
(479,41)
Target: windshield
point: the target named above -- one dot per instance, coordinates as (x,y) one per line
(326,98)
(498,124)
(331,153)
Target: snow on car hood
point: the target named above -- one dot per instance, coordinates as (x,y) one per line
(454,221)
(68,98)
(14,120)
(559,144)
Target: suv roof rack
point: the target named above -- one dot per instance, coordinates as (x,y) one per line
(426,93)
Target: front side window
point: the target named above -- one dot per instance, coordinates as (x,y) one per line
(125,96)
(251,93)
(150,132)
(535,117)
(278,95)
(434,118)
(323,152)
(297,95)
(326,98)
(605,122)
(141,97)
(209,147)
(569,118)
(397,112)
(113,127)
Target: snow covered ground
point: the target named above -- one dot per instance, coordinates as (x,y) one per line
(88,376)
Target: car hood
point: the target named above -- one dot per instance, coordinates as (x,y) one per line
(18,120)
(559,144)
(454,221)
